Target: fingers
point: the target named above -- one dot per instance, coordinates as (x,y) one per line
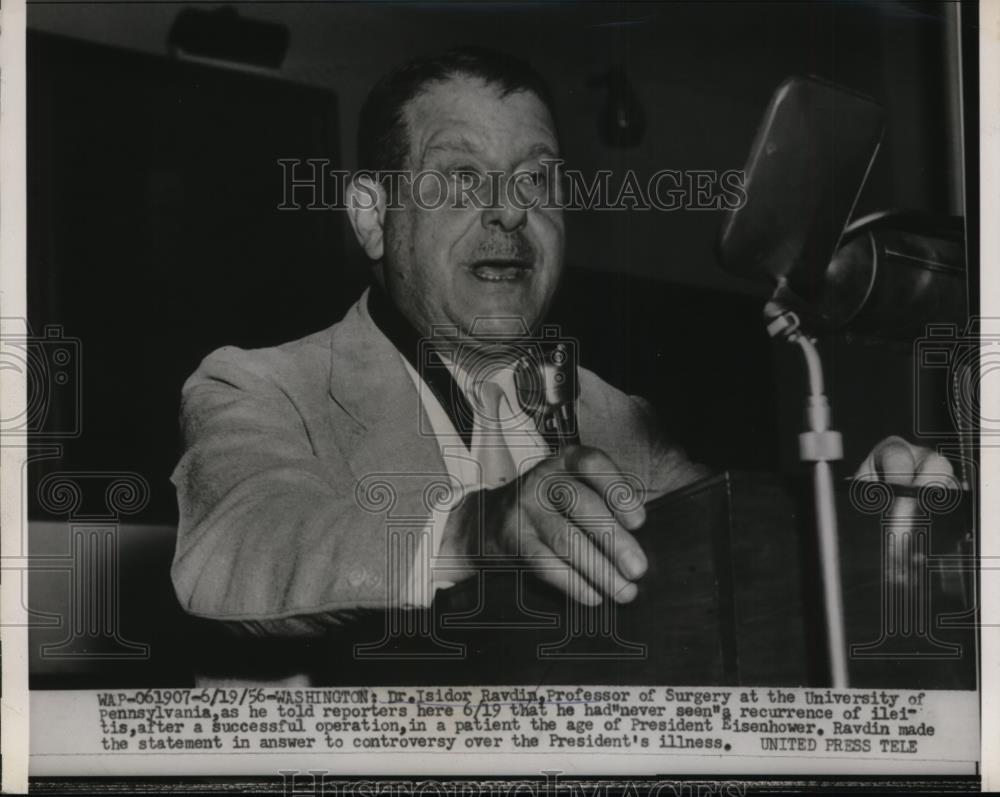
(598,499)
(621,548)
(596,469)
(602,486)
(564,578)
(589,574)
(894,461)
(866,470)
(581,530)
(577,507)
(612,540)
(934,469)
(897,461)
(576,547)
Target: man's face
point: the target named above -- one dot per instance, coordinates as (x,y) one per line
(492,270)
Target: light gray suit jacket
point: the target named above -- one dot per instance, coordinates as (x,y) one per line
(299,458)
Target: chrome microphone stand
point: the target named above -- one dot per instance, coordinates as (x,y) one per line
(547,389)
(819,445)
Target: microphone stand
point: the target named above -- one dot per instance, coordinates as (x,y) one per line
(548,388)
(820,445)
(563,426)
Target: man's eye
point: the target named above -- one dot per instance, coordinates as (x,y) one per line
(531,180)
(538,177)
(466,175)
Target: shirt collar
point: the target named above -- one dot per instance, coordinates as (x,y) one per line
(451,382)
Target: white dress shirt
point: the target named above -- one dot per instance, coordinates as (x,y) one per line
(524,443)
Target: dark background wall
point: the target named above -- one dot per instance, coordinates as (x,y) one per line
(702,71)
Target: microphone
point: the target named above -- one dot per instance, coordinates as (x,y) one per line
(547,388)
(807,166)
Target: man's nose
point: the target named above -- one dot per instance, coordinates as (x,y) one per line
(507,214)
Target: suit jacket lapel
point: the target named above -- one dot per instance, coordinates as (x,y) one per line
(369,381)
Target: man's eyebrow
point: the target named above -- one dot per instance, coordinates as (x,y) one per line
(452,145)
(542,150)
(467,146)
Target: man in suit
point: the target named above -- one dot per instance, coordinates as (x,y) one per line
(305,487)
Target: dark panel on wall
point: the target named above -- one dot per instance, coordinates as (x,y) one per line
(155,235)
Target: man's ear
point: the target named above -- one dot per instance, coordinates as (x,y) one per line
(366,210)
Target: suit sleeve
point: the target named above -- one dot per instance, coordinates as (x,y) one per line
(267,538)
(626,427)
(669,467)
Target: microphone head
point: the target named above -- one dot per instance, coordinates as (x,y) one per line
(806,168)
(547,388)
(546,378)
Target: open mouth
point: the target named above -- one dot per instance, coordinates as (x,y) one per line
(501,270)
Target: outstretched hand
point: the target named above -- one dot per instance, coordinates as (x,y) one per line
(897,461)
(564,520)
